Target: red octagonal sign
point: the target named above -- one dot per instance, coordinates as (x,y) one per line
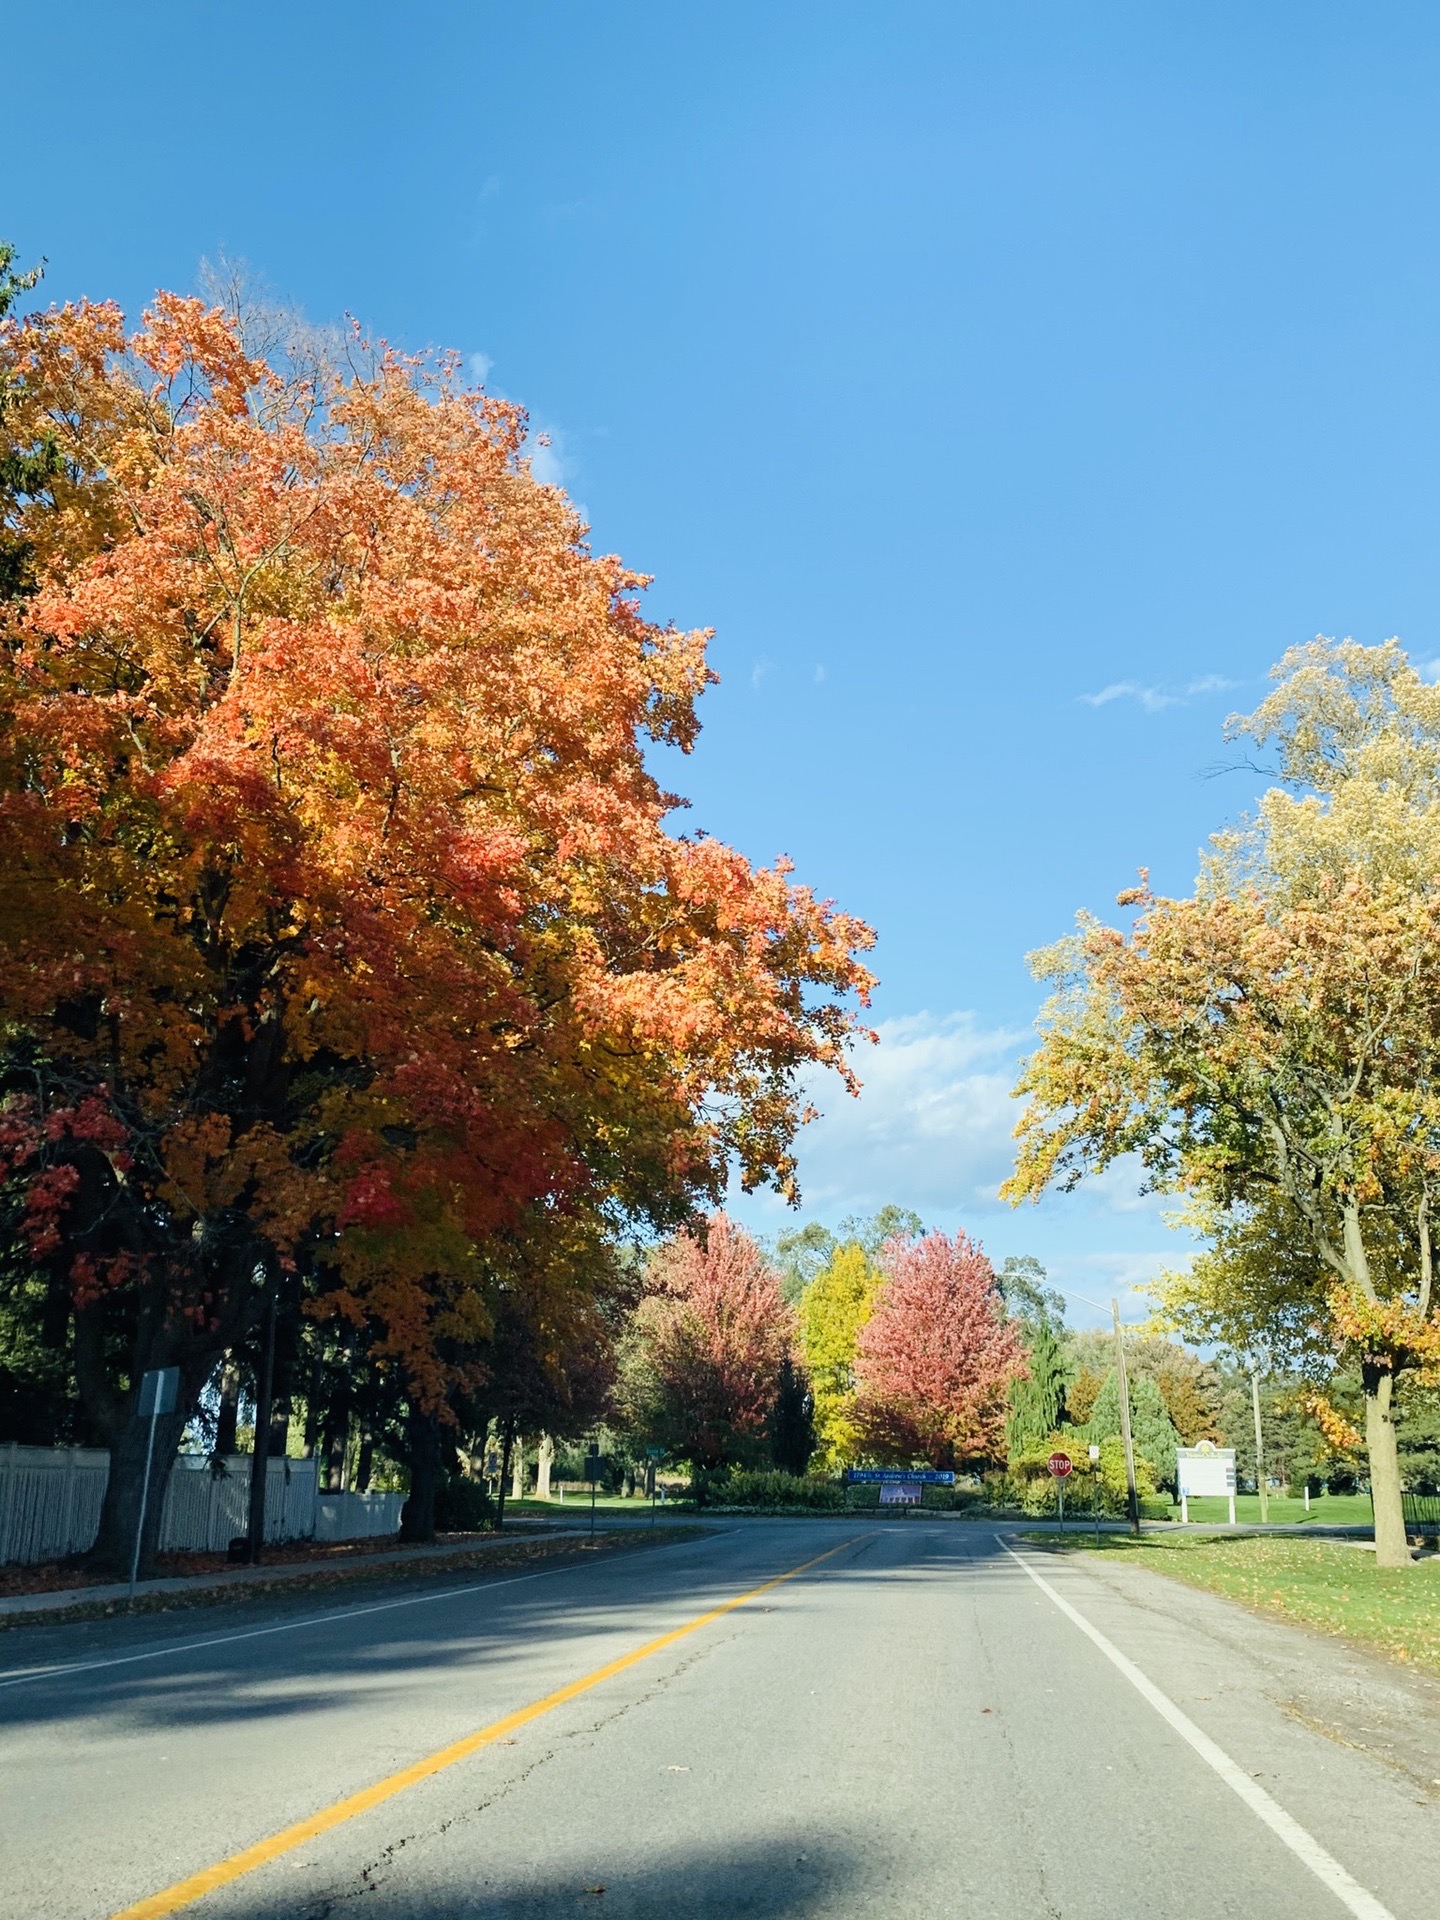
(1061,1464)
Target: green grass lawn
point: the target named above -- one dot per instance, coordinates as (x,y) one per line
(579,1504)
(1326,1510)
(1318,1583)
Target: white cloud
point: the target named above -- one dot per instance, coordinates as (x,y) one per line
(1118,1189)
(550,458)
(819,676)
(759,671)
(479,365)
(931,1127)
(1092,1280)
(932,1130)
(1157,699)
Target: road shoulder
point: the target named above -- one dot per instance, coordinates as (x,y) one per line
(1355,1698)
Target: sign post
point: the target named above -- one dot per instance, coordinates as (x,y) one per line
(158,1390)
(592,1474)
(1132,1497)
(1094,1453)
(653,1455)
(1060,1466)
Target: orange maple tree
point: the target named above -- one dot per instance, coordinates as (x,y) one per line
(341,925)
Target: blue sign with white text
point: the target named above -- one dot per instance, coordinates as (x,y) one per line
(907,1476)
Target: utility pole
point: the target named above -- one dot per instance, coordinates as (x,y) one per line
(1123,1381)
(264,1401)
(1260,1486)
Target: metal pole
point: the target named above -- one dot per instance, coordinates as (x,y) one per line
(1260,1486)
(592,1509)
(144,1497)
(1060,1494)
(1123,1381)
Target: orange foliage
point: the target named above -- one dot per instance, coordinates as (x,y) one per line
(339,918)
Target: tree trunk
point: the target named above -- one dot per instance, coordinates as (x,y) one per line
(227,1423)
(545,1460)
(509,1432)
(1392,1549)
(517,1469)
(417,1516)
(114,1548)
(365,1460)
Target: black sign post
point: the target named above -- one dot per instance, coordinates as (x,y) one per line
(592,1474)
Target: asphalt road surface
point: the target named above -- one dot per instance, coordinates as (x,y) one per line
(914,1725)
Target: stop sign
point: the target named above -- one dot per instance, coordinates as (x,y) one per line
(1060,1465)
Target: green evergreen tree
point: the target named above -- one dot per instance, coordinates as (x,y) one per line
(1037,1403)
(1151,1428)
(792,1420)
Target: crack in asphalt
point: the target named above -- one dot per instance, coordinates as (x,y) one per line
(372,1876)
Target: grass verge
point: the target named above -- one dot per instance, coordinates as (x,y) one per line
(519,1553)
(1323,1584)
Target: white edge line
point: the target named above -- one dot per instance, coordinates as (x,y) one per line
(1284,1826)
(32,1676)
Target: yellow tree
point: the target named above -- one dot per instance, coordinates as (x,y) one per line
(1271,1046)
(833,1309)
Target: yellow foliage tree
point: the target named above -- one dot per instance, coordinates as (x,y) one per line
(1270,1048)
(835,1306)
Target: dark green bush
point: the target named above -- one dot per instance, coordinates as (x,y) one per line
(461,1505)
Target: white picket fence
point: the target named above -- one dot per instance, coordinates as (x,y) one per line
(50,1501)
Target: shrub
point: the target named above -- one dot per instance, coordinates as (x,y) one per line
(461,1505)
(950,1499)
(862,1496)
(774,1489)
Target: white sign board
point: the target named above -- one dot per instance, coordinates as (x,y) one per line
(1206,1471)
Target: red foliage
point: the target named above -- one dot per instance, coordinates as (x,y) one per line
(935,1358)
(711,1337)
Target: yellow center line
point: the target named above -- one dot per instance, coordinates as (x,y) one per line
(185,1892)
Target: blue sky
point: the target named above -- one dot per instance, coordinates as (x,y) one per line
(1007,384)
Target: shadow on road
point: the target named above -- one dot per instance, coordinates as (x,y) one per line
(330,1657)
(764,1880)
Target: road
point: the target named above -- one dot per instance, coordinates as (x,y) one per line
(911,1726)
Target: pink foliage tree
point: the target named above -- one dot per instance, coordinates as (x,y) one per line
(709,1340)
(935,1358)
